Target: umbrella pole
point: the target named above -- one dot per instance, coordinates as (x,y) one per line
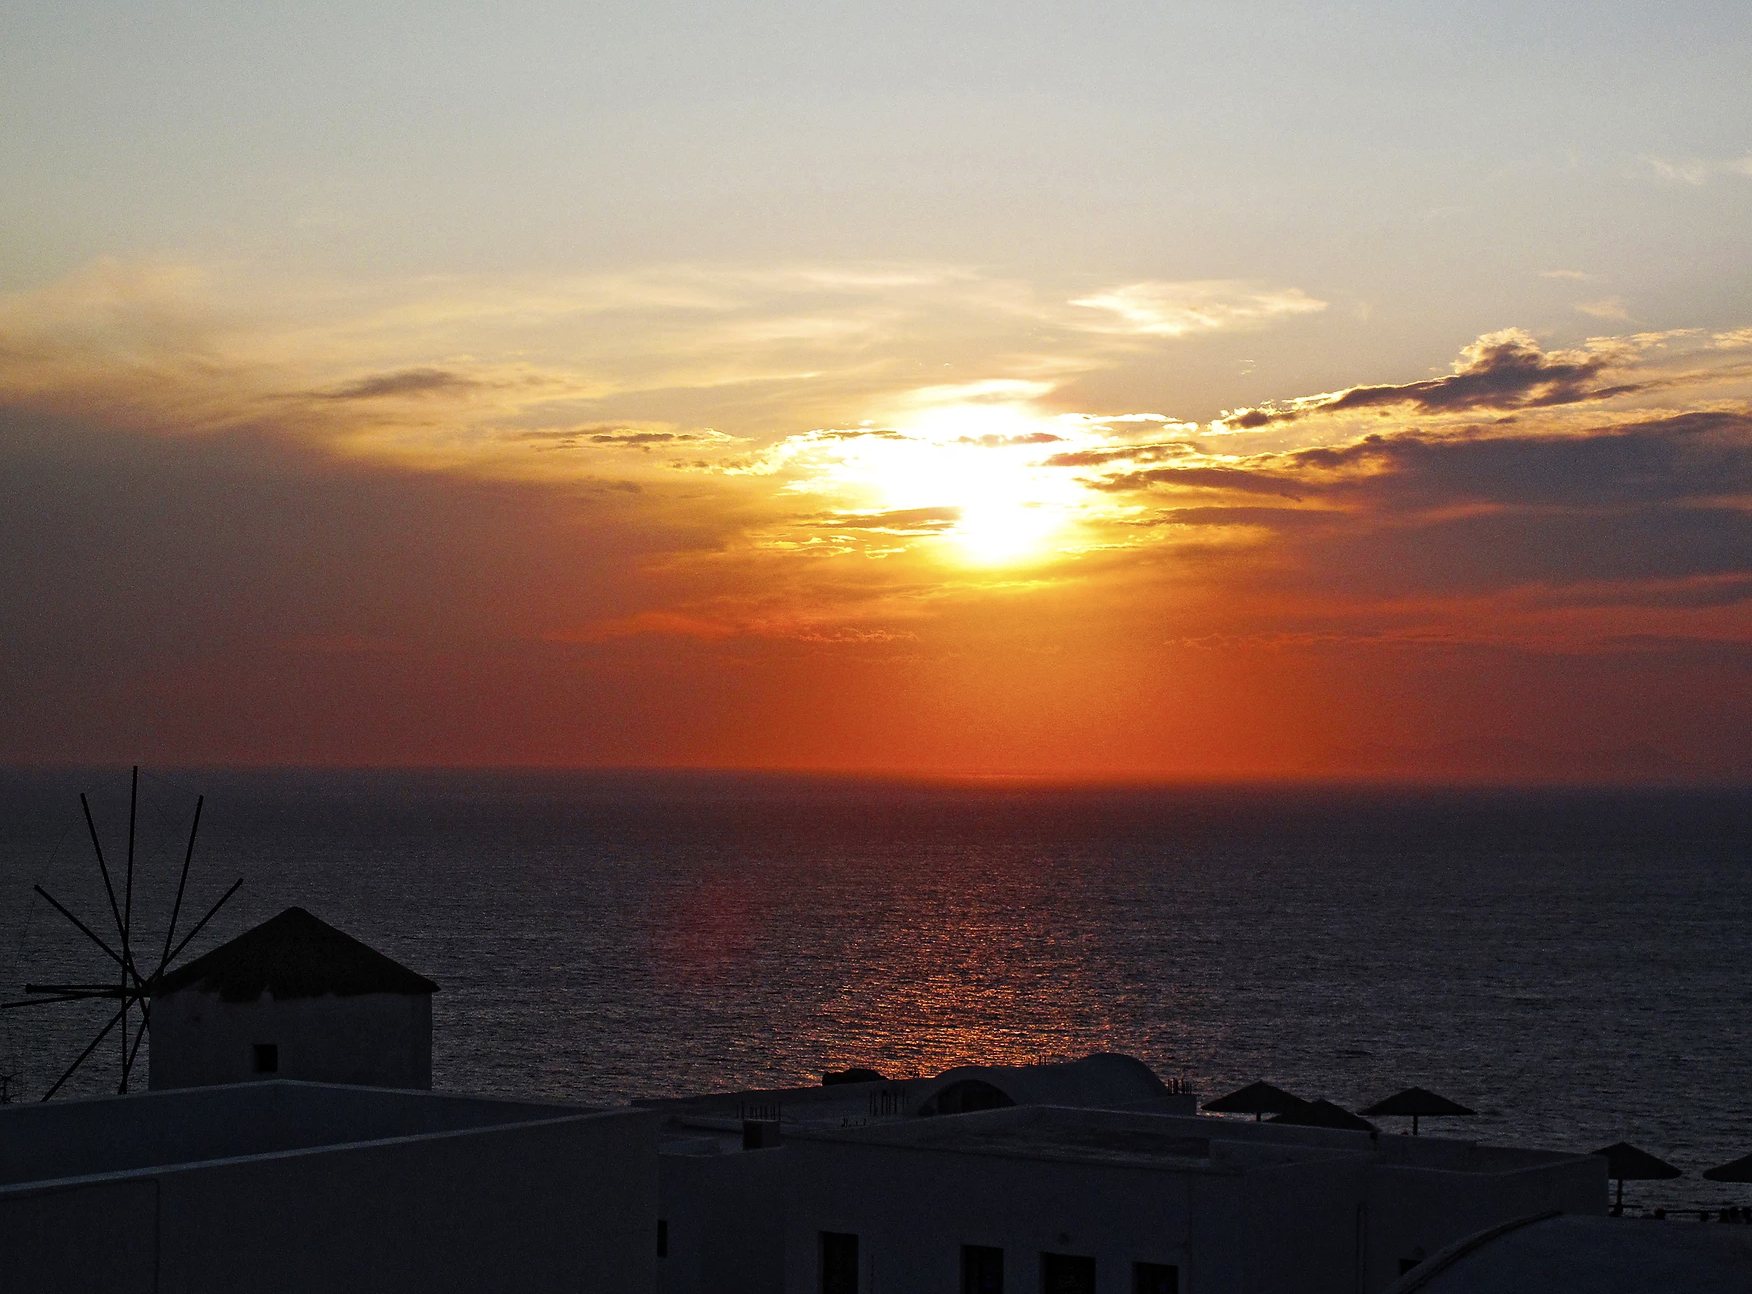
(1619,1206)
(1414,1125)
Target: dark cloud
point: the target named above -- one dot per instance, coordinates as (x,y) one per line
(905,521)
(613,437)
(1156,453)
(1693,456)
(999,442)
(1720,591)
(638,438)
(407,381)
(859,433)
(1276,518)
(159,589)
(1504,370)
(1241,480)
(1652,502)
(1622,515)
(1498,550)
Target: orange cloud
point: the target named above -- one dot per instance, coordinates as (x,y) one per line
(784,542)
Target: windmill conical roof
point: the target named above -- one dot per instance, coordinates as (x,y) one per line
(294,955)
(1416,1100)
(1626,1163)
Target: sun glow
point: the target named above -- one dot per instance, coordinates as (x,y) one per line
(977,466)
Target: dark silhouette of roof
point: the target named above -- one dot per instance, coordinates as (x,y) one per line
(294,955)
(1418,1102)
(1255,1098)
(1323,1114)
(855,1074)
(1735,1170)
(1105,1078)
(1625,1163)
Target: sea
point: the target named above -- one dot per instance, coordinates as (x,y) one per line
(1573,964)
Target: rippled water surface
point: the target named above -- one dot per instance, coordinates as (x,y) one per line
(1574,965)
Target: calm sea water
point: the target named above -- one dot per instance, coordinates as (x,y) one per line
(1574,965)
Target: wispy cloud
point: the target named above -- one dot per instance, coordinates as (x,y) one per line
(412,381)
(1157,309)
(482,372)
(1700,170)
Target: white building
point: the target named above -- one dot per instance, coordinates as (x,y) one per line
(1068,1201)
(293,1188)
(724,1192)
(858,1189)
(292,998)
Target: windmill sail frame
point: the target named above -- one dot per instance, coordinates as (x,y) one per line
(132,988)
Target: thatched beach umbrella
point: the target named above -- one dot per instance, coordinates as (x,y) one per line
(1625,1163)
(1417,1102)
(1738,1170)
(1324,1114)
(1257,1099)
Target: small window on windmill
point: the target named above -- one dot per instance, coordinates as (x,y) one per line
(267,1057)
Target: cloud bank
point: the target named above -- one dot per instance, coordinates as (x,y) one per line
(746,518)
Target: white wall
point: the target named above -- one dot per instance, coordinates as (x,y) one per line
(377,1039)
(726,1222)
(913,1210)
(1413,1209)
(1312,1225)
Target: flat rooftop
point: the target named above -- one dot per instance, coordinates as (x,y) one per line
(831,1104)
(1091,1136)
(1185,1143)
(117,1134)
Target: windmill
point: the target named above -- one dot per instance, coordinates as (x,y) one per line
(127,986)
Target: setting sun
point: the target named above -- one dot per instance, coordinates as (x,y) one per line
(862,392)
(975,468)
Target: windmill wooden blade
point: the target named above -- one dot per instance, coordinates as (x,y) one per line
(133,987)
(181,886)
(89,933)
(90,1047)
(72,988)
(145,1023)
(128,908)
(112,991)
(103,867)
(211,912)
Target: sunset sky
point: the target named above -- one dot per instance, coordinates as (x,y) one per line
(1093,390)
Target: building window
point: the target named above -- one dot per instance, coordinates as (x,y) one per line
(1155,1278)
(1067,1274)
(663,1237)
(982,1270)
(267,1058)
(839,1263)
